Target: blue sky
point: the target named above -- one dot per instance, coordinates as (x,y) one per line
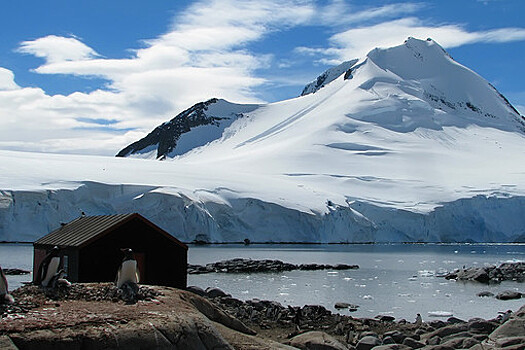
(93,76)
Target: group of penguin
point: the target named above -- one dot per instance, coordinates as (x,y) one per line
(51,275)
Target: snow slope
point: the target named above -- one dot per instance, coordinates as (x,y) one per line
(406,146)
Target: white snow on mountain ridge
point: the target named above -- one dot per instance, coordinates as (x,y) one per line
(411,146)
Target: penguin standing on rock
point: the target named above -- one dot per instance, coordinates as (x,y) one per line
(128,271)
(5,297)
(128,277)
(419,320)
(49,267)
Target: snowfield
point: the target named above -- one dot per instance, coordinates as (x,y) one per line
(404,145)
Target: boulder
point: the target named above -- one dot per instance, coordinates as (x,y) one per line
(392,347)
(453,320)
(510,341)
(448,330)
(482,327)
(508,295)
(435,340)
(6,343)
(455,343)
(412,343)
(437,324)
(196,290)
(212,292)
(485,294)
(455,336)
(469,342)
(341,305)
(514,327)
(367,343)
(388,340)
(316,341)
(396,335)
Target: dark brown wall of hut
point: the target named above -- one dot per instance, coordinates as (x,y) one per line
(165,261)
(38,256)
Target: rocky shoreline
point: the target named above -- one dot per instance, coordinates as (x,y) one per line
(93,316)
(314,324)
(241,265)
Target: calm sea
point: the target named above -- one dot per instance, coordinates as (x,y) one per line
(394,279)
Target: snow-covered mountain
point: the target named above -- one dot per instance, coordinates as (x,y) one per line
(404,144)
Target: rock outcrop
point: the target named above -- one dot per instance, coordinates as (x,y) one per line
(491,274)
(240,265)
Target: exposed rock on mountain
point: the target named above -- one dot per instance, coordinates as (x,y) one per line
(207,121)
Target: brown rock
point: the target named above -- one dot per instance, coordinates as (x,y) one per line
(506,342)
(6,343)
(316,340)
(367,343)
(412,343)
(514,327)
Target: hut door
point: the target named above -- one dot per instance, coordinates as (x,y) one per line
(141,265)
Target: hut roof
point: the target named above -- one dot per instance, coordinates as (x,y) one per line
(86,229)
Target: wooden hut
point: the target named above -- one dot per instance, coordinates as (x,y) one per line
(90,249)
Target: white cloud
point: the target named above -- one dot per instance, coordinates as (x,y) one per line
(340,12)
(356,42)
(7,80)
(58,49)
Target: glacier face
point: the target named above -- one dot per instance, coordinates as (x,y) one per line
(411,146)
(26,215)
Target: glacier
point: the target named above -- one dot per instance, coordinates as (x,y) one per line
(403,145)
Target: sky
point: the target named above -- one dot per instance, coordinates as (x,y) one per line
(90,77)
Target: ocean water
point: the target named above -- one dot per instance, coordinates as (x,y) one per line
(393,279)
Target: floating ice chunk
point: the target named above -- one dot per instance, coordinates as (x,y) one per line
(426,273)
(440,314)
(368,297)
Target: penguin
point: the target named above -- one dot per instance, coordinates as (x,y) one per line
(5,297)
(128,271)
(419,320)
(49,267)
